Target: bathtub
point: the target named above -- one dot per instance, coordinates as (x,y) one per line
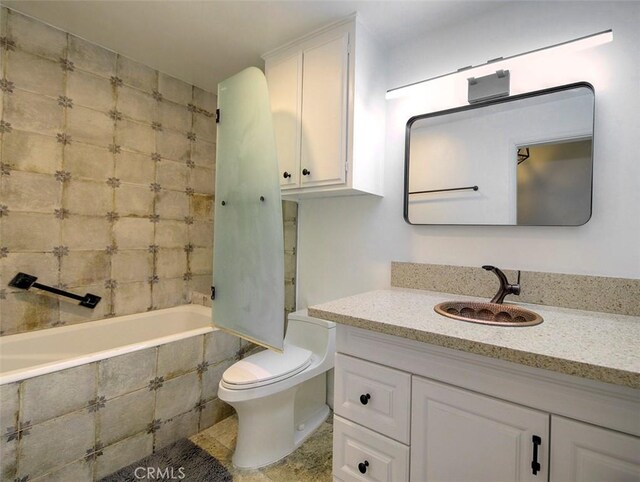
(27,355)
(80,402)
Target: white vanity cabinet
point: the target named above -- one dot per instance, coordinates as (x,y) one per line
(327,97)
(410,411)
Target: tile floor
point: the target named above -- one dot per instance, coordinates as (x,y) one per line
(311,462)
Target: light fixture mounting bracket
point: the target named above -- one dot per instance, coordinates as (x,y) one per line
(489,87)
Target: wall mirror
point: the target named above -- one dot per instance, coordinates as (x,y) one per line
(520,160)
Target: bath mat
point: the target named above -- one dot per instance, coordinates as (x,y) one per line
(182,460)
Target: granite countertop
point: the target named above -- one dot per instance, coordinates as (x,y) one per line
(599,346)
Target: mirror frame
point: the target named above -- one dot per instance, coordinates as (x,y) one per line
(502,100)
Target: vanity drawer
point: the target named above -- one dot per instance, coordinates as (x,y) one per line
(354,446)
(373,395)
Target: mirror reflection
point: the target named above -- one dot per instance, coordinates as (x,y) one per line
(523,160)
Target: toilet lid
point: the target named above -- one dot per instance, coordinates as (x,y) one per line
(267,367)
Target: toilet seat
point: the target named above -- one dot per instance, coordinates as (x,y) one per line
(266,367)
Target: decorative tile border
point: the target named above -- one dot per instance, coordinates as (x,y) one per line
(590,293)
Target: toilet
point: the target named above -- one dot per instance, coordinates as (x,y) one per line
(280,398)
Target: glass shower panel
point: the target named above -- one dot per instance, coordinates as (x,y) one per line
(248,252)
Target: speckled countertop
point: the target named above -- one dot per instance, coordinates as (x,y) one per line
(599,346)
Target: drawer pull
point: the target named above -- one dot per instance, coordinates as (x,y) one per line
(286,175)
(362,466)
(364,399)
(306,172)
(535,465)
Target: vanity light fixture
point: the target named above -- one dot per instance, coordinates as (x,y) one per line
(491,66)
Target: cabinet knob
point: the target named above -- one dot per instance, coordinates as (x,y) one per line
(362,466)
(364,399)
(286,175)
(306,172)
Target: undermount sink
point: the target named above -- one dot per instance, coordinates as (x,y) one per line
(488,313)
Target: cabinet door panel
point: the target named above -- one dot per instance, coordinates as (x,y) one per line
(459,435)
(324,111)
(284,77)
(584,453)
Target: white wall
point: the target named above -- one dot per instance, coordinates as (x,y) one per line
(347,244)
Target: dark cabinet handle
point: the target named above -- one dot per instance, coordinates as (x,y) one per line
(535,465)
(286,175)
(364,398)
(362,466)
(306,172)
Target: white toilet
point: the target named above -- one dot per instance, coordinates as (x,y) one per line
(280,398)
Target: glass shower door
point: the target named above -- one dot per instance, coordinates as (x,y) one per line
(248,253)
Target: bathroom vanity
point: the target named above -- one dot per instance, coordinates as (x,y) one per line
(422,397)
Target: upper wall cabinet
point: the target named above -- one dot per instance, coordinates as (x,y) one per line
(327,94)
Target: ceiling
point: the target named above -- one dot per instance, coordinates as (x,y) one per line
(204,42)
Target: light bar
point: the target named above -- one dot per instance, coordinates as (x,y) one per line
(491,66)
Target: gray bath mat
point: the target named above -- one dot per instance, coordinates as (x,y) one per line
(182,460)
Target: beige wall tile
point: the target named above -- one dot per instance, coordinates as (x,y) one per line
(29,151)
(88,198)
(178,396)
(90,126)
(171,262)
(203,153)
(85,161)
(84,268)
(136,104)
(201,261)
(174,90)
(219,346)
(56,443)
(123,453)
(202,180)
(131,265)
(211,379)
(71,313)
(174,116)
(65,391)
(135,167)
(76,471)
(132,298)
(171,234)
(29,310)
(214,411)
(9,404)
(135,136)
(136,74)
(42,265)
(90,90)
(177,428)
(36,37)
(202,206)
(34,73)
(33,112)
(91,57)
(200,283)
(172,175)
(201,234)
(173,145)
(180,357)
(125,416)
(86,232)
(30,232)
(28,191)
(126,373)
(205,127)
(134,200)
(133,233)
(172,204)
(205,100)
(169,292)
(8,460)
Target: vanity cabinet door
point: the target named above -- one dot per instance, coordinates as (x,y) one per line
(323,154)
(284,77)
(585,453)
(460,435)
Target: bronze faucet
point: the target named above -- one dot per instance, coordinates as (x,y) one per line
(505,287)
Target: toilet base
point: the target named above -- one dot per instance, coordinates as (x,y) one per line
(266,431)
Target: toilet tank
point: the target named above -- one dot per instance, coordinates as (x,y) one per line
(311,333)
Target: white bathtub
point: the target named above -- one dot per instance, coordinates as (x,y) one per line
(27,355)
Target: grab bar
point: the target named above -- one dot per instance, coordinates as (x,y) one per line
(475,188)
(25,281)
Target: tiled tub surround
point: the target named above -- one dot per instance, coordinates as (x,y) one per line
(82,423)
